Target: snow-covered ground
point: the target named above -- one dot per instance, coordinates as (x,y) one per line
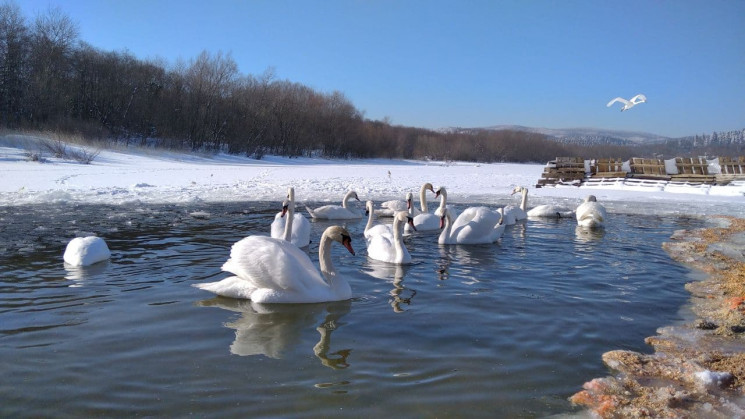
(147,176)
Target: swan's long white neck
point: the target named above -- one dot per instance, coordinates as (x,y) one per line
(324,258)
(398,238)
(290,214)
(448,226)
(370,216)
(443,199)
(423,199)
(524,203)
(347,197)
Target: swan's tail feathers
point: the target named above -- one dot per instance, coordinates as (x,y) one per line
(231,287)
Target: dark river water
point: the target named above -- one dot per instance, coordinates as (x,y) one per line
(504,330)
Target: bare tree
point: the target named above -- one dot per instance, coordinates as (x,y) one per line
(13,64)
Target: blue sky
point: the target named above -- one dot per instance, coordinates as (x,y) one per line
(467,63)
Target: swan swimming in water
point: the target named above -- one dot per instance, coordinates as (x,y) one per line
(378,229)
(511,213)
(590,213)
(390,248)
(475,225)
(541,210)
(337,212)
(390,208)
(269,270)
(424,221)
(628,104)
(84,251)
(300,234)
(442,193)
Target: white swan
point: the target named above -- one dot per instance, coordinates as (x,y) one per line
(476,225)
(84,251)
(269,270)
(337,212)
(388,248)
(442,193)
(424,221)
(628,104)
(390,208)
(590,213)
(541,210)
(512,213)
(375,230)
(300,226)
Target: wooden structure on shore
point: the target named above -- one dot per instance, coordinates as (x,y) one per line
(681,170)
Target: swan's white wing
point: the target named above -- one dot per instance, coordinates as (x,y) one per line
(479,228)
(231,287)
(618,99)
(638,99)
(381,248)
(465,217)
(514,214)
(550,211)
(278,226)
(425,222)
(334,212)
(275,264)
(509,215)
(395,205)
(300,230)
(379,230)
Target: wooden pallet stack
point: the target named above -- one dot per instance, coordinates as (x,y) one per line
(652,169)
(732,168)
(693,170)
(563,171)
(642,172)
(608,168)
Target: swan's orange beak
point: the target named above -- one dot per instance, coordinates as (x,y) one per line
(347,242)
(442,222)
(284,210)
(411,223)
(437,194)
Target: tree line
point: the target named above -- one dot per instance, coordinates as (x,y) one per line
(51,80)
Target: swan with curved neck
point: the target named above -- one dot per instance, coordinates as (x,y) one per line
(388,248)
(269,270)
(442,193)
(337,212)
(370,228)
(475,225)
(552,211)
(424,221)
(591,213)
(289,225)
(512,213)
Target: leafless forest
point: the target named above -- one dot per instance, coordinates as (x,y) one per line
(50,80)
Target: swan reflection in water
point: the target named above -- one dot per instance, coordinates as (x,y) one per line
(79,274)
(587,234)
(394,273)
(275,329)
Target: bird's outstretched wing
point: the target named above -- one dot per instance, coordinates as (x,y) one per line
(638,99)
(618,99)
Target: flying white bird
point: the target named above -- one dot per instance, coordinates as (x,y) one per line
(628,104)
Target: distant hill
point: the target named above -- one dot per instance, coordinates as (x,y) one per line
(590,136)
(598,136)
